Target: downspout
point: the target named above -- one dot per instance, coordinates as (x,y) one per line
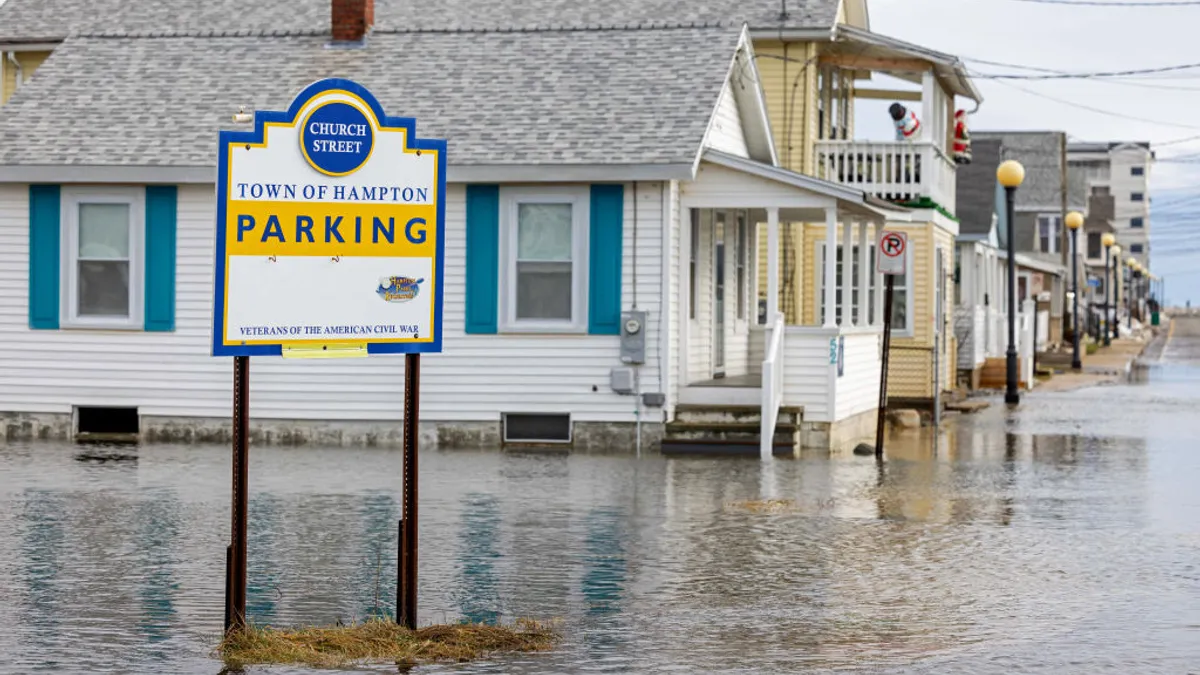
(20,74)
(637,380)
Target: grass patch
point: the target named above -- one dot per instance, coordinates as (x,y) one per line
(382,641)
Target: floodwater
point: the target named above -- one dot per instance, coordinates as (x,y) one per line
(1062,538)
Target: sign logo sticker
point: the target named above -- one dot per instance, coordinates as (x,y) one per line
(399,289)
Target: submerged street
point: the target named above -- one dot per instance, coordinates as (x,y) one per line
(1061,537)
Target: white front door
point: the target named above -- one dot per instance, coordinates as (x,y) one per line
(718,342)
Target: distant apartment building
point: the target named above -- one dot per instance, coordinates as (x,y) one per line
(1122,170)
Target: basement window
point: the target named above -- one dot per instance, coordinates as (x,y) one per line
(537,428)
(106,424)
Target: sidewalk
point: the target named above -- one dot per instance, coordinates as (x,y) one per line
(1106,366)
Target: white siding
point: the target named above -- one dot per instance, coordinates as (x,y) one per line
(725,130)
(171,374)
(858,387)
(806,371)
(970,327)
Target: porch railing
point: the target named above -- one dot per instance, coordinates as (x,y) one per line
(902,172)
(772,387)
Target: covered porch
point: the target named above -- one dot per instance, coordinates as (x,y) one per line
(919,171)
(730,355)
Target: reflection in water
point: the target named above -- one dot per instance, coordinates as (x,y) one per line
(478,599)
(604,571)
(375,571)
(264,518)
(604,562)
(156,540)
(1061,537)
(42,547)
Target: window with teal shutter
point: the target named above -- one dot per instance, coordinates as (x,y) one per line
(45,230)
(483,258)
(604,260)
(160,257)
(102,257)
(544,259)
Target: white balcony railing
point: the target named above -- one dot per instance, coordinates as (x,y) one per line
(895,171)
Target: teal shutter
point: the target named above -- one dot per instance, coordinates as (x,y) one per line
(45,254)
(604,263)
(160,257)
(483,257)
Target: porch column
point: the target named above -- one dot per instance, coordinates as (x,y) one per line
(847,272)
(830,266)
(878,285)
(929,109)
(772,265)
(864,286)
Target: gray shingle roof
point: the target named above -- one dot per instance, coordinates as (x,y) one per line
(1041,154)
(56,19)
(588,97)
(976,200)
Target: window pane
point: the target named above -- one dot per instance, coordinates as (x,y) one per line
(544,290)
(544,232)
(104,231)
(103,288)
(899,306)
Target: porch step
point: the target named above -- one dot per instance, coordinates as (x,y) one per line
(673,447)
(731,414)
(728,430)
(995,373)
(750,433)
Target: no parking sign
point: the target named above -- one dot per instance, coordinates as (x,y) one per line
(892,247)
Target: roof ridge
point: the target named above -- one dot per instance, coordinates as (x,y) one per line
(588,28)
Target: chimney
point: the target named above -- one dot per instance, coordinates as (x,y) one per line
(351,19)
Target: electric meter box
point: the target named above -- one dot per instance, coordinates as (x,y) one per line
(633,337)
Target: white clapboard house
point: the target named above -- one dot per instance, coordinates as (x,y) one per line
(636,158)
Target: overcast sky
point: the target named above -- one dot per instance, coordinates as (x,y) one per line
(1082,39)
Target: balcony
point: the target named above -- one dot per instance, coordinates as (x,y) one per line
(894,171)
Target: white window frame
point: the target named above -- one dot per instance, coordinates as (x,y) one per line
(510,200)
(1055,235)
(71,199)
(819,284)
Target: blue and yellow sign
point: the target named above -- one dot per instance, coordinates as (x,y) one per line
(330,231)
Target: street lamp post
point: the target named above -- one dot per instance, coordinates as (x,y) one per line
(1117,267)
(1074,221)
(1131,294)
(1011,174)
(1107,240)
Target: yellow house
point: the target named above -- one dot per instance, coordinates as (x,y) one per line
(17,63)
(811,79)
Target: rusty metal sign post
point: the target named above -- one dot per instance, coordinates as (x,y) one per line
(892,259)
(335,251)
(406,560)
(235,565)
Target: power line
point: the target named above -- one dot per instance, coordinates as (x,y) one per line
(1101,3)
(1098,111)
(1104,77)
(1047,74)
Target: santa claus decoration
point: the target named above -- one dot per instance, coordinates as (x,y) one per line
(962,139)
